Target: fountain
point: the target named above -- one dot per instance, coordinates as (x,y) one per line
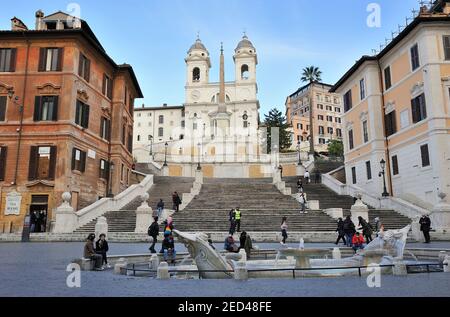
(388,248)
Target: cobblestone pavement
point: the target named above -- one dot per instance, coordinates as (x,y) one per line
(39,269)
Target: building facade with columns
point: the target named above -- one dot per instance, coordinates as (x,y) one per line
(66,116)
(397,109)
(217,125)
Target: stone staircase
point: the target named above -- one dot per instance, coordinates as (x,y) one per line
(389,218)
(125,219)
(327,197)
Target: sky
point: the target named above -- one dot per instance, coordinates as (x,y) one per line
(155,35)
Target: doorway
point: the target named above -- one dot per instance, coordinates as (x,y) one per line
(38,213)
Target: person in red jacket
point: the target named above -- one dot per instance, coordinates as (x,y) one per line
(358,242)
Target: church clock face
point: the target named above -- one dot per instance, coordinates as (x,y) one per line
(195,95)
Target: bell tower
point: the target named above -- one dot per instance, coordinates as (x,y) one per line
(245,60)
(198,64)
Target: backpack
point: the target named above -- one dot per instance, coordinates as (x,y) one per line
(153,230)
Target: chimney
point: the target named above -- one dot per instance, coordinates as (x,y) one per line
(143,106)
(18,25)
(39,15)
(164,105)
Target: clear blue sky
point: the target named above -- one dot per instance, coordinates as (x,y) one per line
(154,36)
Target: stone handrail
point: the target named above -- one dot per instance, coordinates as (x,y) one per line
(104,205)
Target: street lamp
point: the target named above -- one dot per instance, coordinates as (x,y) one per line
(165,153)
(151,145)
(299,153)
(383,173)
(199,168)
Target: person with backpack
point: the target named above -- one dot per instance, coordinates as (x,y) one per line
(153,231)
(349,230)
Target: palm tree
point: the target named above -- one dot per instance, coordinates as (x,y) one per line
(311,74)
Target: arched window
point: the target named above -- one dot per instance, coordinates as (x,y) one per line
(244,72)
(196,74)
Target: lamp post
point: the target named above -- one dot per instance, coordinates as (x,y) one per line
(383,173)
(299,153)
(111,169)
(199,168)
(151,145)
(166,145)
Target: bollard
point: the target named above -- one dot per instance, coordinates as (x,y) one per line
(154,262)
(337,254)
(442,256)
(399,268)
(243,256)
(240,271)
(446,264)
(121,263)
(163,271)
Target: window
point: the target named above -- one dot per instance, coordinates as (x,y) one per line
(337,110)
(387,78)
(46,108)
(320,117)
(362,89)
(138,138)
(161,132)
(3,108)
(82,114)
(350,139)
(348,101)
(354,175)
(183,123)
(329,118)
(150,137)
(321,130)
(415,60)
(390,123)
(425,155)
(124,131)
(130,141)
(161,119)
(365,132)
(42,163)
(245,124)
(338,120)
(320,107)
(321,141)
(50,59)
(329,108)
(196,74)
(447,47)
(339,133)
(105,128)
(107,86)
(395,165)
(368,170)
(194,126)
(330,130)
(84,67)
(418,108)
(8,59)
(244,72)
(78,160)
(104,170)
(3,152)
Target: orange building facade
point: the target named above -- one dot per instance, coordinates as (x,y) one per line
(66,120)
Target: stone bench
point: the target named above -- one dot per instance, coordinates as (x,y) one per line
(85,264)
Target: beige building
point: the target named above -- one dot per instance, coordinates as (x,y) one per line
(397,108)
(327,111)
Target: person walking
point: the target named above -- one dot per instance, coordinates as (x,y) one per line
(176,202)
(284,228)
(300,185)
(302,201)
(232,226)
(237,217)
(340,231)
(153,231)
(306,177)
(425,227)
(89,253)
(349,230)
(366,228)
(231,215)
(101,247)
(160,208)
(33,220)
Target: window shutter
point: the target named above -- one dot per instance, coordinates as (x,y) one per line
(423,106)
(80,65)
(32,168)
(37,108)
(100,175)
(108,130)
(55,108)
(60,59)
(52,165)
(110,83)
(12,67)
(3,151)
(107,170)
(83,161)
(414,109)
(88,70)
(74,151)
(2,108)
(85,123)
(42,59)
(104,85)
(447,47)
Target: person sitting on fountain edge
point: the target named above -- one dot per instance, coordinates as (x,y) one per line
(168,247)
(357,242)
(230,245)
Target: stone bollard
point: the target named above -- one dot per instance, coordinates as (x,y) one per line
(399,268)
(101,227)
(163,271)
(337,254)
(243,256)
(121,263)
(446,264)
(442,256)
(154,262)
(240,271)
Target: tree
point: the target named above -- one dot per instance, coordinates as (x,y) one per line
(336,148)
(311,74)
(275,119)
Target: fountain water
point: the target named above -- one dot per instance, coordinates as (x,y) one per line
(302,244)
